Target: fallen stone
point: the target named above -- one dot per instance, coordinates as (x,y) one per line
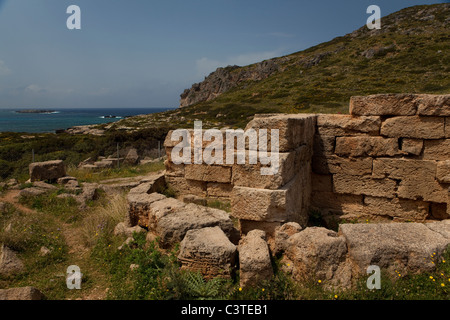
(10,263)
(50,170)
(132,157)
(123,229)
(25,293)
(31,192)
(44,186)
(318,254)
(402,247)
(209,251)
(254,259)
(65,180)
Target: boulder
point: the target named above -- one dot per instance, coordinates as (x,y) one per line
(254,259)
(50,170)
(208,251)
(65,180)
(44,186)
(25,293)
(31,192)
(10,264)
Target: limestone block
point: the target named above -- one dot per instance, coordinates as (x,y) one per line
(433,105)
(414,127)
(447,127)
(208,173)
(182,185)
(383,105)
(399,209)
(436,149)
(254,259)
(443,171)
(364,186)
(417,178)
(219,190)
(348,124)
(294,129)
(335,165)
(209,252)
(366,146)
(49,170)
(412,146)
(323,145)
(401,247)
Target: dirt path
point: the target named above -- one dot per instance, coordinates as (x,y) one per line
(78,252)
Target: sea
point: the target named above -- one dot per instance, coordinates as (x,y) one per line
(12,121)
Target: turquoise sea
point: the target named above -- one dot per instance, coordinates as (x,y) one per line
(12,121)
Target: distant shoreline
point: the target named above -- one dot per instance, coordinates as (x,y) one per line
(35,111)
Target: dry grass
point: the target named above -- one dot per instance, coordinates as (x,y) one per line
(103,218)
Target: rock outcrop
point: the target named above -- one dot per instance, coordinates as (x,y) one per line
(10,263)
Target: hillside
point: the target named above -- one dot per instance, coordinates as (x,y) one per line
(409,54)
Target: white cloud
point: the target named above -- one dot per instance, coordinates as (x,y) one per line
(34,88)
(205,65)
(4,70)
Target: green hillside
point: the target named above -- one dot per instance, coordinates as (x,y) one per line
(409,54)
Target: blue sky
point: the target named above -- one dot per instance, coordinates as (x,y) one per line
(144,53)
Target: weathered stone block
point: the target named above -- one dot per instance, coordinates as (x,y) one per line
(281,205)
(294,129)
(219,190)
(209,252)
(183,186)
(398,209)
(383,105)
(433,105)
(49,170)
(447,127)
(366,146)
(412,146)
(139,207)
(254,259)
(443,171)
(401,247)
(417,178)
(414,127)
(348,124)
(208,173)
(323,145)
(436,149)
(364,185)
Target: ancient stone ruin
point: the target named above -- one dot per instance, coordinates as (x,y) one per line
(384,164)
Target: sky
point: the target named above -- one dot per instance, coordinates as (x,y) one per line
(144,53)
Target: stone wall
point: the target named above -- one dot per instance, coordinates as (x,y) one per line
(389,159)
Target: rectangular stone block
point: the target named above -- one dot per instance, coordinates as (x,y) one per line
(433,105)
(443,171)
(340,165)
(414,127)
(343,203)
(208,173)
(281,205)
(182,186)
(398,209)
(219,190)
(250,175)
(417,178)
(436,149)
(363,146)
(364,186)
(174,169)
(348,124)
(412,146)
(294,129)
(383,105)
